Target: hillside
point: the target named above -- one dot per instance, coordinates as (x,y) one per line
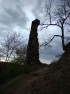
(52,79)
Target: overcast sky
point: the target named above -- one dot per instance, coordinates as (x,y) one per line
(17,15)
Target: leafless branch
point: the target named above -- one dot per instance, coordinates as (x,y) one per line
(11,42)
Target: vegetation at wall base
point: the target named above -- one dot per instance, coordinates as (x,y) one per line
(38,79)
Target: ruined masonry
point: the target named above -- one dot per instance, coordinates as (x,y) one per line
(32,56)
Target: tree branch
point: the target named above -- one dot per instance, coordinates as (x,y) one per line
(46,43)
(53,38)
(50,24)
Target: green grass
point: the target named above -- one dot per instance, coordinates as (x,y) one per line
(10,84)
(8,71)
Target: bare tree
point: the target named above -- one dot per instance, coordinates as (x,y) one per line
(20,55)
(11,42)
(58,16)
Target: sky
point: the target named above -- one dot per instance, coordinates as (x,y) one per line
(17,15)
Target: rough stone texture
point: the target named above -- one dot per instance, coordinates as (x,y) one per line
(33,45)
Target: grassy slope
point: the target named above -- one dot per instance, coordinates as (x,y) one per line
(8,71)
(52,79)
(56,80)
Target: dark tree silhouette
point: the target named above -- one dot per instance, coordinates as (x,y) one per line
(33,45)
(60,17)
(20,55)
(11,42)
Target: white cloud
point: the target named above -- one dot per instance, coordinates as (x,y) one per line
(29,3)
(12,16)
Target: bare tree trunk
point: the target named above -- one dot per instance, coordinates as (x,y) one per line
(63,44)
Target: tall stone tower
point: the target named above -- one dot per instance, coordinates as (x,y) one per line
(32,56)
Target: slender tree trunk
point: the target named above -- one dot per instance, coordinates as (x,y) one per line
(6,56)
(63,44)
